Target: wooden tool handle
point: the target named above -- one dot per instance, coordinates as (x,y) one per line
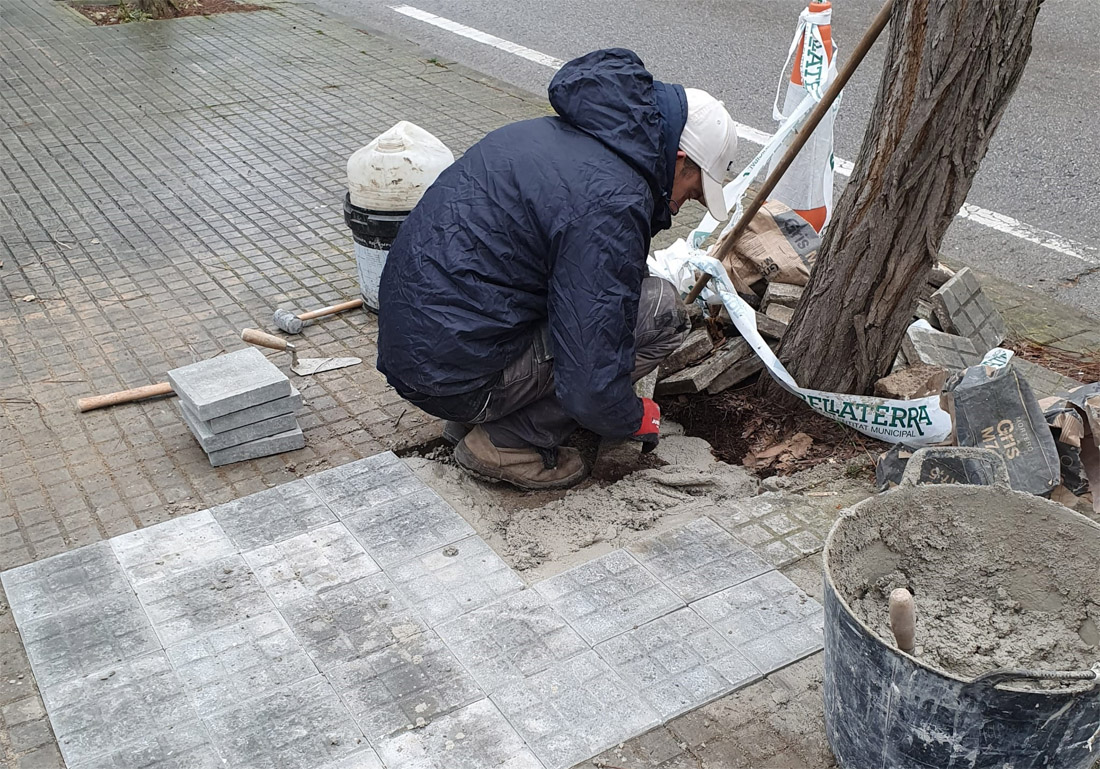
(801,136)
(252,336)
(126,396)
(349,305)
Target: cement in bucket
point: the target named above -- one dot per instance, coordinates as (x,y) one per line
(1001,579)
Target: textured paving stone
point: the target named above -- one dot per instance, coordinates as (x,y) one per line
(608,596)
(63,582)
(924,345)
(698,559)
(455,579)
(185,746)
(403,686)
(474,737)
(224,667)
(290,440)
(367,483)
(236,419)
(87,638)
(573,710)
(228,383)
(195,602)
(510,640)
(211,441)
(768,619)
(962,308)
(273,515)
(172,547)
(407,527)
(677,662)
(1044,382)
(350,620)
(302,566)
(305,726)
(780,527)
(131,701)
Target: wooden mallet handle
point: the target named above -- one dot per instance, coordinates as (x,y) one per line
(263,339)
(332,310)
(126,396)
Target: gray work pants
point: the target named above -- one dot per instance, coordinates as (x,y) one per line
(522,410)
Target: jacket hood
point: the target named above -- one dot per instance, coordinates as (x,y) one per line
(611,96)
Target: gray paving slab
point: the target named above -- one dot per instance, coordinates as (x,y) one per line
(963,308)
(273,408)
(407,527)
(186,746)
(227,383)
(1044,382)
(87,638)
(309,563)
(212,441)
(304,726)
(698,559)
(511,639)
(172,547)
(63,582)
(608,596)
(780,527)
(574,709)
(271,516)
(677,663)
(768,619)
(194,602)
(357,486)
(350,620)
(403,686)
(474,737)
(239,662)
(455,579)
(924,345)
(365,758)
(123,704)
(291,440)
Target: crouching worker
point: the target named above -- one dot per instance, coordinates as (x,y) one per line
(515,302)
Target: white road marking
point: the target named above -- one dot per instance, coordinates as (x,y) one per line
(982,216)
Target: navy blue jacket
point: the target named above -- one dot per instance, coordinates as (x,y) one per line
(542,220)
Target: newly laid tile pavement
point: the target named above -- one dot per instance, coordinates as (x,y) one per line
(352,620)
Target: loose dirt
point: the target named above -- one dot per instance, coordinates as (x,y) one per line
(1001,579)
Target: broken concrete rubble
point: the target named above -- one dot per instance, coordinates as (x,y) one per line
(926,345)
(697,346)
(784,294)
(963,309)
(698,377)
(911,382)
(780,313)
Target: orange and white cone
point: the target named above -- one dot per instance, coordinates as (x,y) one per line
(807,187)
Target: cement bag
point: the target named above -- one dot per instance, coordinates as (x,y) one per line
(778,246)
(995,409)
(1077,440)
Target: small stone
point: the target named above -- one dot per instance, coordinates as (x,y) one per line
(29,298)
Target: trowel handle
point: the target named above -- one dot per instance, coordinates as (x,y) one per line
(253,336)
(1004,676)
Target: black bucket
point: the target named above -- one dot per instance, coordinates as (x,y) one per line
(373,233)
(886,708)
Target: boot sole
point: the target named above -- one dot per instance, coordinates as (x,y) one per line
(470,464)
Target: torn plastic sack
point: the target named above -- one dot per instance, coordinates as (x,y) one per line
(996,409)
(1075,438)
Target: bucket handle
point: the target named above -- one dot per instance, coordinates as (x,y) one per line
(915,474)
(1004,675)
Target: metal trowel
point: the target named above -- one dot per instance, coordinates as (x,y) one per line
(300,366)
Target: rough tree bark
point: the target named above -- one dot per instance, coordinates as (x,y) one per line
(158,9)
(951,67)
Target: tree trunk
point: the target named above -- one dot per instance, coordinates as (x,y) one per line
(950,69)
(158,9)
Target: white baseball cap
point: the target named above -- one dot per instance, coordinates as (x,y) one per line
(710,139)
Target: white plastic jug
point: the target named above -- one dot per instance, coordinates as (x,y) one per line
(392,172)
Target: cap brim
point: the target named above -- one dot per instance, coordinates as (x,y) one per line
(714,198)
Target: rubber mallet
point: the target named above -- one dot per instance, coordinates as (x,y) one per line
(287,321)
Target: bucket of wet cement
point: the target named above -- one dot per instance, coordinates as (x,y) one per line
(1005,584)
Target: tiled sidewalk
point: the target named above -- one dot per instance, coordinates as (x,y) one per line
(353,620)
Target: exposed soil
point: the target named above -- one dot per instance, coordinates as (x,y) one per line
(1001,579)
(106,15)
(771,438)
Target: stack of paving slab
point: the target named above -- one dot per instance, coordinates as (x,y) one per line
(354,620)
(239,406)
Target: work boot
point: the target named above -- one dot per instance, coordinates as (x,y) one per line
(453,432)
(530,468)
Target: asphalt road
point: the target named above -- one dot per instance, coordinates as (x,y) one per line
(1042,169)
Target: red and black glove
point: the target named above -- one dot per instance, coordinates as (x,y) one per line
(650,431)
